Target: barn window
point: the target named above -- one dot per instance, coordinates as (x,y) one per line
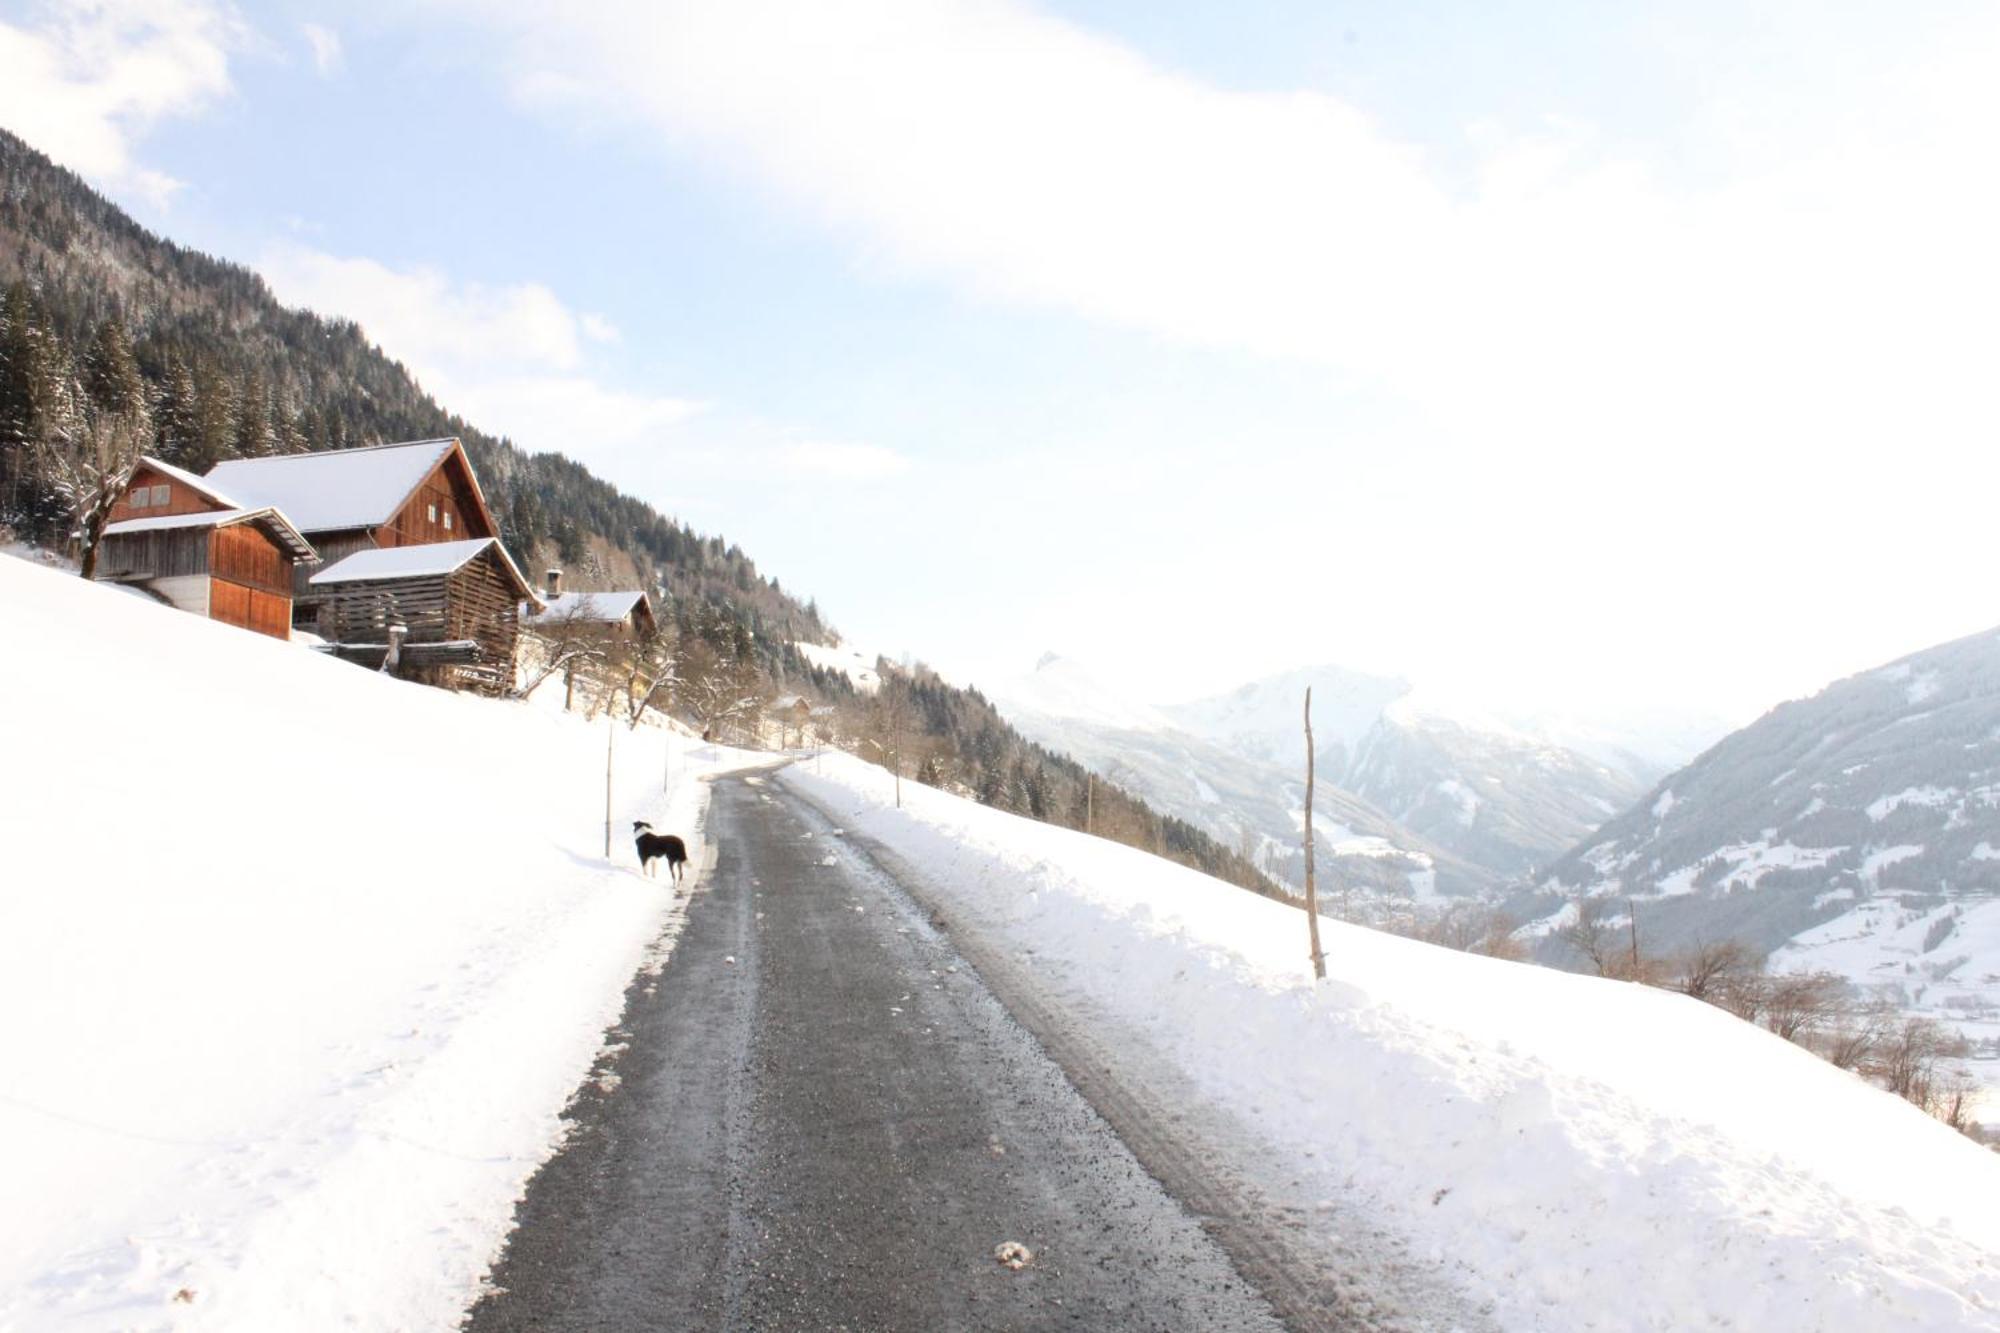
(447,520)
(140,497)
(159,495)
(434,513)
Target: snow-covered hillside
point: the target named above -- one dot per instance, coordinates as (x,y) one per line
(1564,1153)
(1857,831)
(300,964)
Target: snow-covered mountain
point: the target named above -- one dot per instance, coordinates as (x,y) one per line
(1857,831)
(1479,785)
(1886,783)
(1413,795)
(1250,804)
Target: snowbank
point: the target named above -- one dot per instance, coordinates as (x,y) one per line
(299,965)
(1572,1153)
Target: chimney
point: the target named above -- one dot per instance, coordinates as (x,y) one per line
(554,577)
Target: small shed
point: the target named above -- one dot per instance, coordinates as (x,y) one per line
(456,601)
(625,614)
(232,565)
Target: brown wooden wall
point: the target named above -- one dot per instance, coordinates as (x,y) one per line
(257,609)
(447,491)
(244,554)
(181,498)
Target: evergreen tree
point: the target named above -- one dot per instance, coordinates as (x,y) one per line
(254,436)
(177,430)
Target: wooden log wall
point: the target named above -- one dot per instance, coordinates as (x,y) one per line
(167,553)
(475,602)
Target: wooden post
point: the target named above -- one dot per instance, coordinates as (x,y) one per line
(1089,802)
(1312,892)
(610,736)
(1632,908)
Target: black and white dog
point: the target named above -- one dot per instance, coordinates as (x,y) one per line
(653,845)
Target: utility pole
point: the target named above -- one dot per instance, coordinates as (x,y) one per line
(1312,892)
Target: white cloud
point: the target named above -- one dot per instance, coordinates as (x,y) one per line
(92,76)
(509,359)
(324,43)
(835,461)
(1696,401)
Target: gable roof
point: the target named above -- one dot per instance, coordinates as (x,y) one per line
(271,520)
(606,607)
(336,488)
(199,485)
(387,563)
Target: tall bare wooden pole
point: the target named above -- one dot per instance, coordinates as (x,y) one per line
(610,735)
(1312,891)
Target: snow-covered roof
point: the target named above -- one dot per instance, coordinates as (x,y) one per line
(415,562)
(270,518)
(608,608)
(338,488)
(199,485)
(403,562)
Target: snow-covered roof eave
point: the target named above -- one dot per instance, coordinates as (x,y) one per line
(199,485)
(391,564)
(269,517)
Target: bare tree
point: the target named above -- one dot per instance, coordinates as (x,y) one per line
(718,688)
(1906,1062)
(1469,927)
(88,468)
(646,666)
(567,642)
(1592,936)
(1859,1036)
(891,720)
(1799,1004)
(1705,970)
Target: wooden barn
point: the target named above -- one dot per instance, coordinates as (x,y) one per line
(180,539)
(382,497)
(446,610)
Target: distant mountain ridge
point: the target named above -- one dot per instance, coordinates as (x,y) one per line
(1411,802)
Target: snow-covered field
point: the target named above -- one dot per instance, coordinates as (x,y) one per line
(298,966)
(1571,1153)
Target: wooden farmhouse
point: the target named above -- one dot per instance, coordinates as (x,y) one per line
(348,500)
(179,538)
(443,613)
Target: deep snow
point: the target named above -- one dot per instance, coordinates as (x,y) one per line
(1568,1152)
(298,964)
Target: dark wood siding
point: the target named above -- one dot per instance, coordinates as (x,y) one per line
(171,553)
(477,602)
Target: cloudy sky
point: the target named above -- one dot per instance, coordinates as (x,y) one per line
(1558,353)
